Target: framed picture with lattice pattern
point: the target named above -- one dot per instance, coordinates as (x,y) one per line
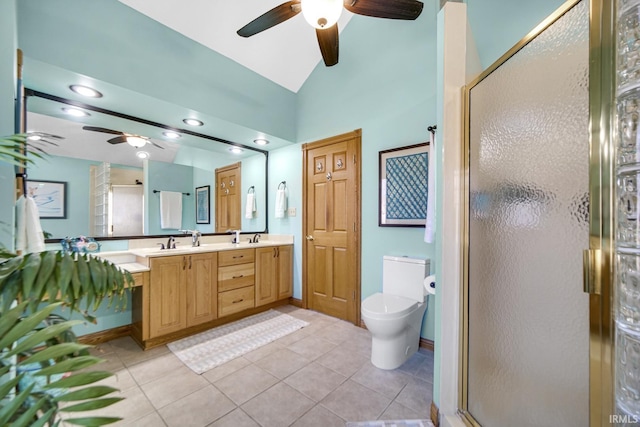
(403,186)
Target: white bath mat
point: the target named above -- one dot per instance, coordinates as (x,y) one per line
(216,346)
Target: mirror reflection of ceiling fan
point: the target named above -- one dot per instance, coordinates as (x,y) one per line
(133,140)
(324,15)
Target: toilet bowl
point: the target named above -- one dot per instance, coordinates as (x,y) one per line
(394,316)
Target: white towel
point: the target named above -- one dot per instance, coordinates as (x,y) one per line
(170,210)
(281,203)
(29,235)
(250,208)
(429,228)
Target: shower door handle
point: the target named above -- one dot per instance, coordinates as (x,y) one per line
(591,270)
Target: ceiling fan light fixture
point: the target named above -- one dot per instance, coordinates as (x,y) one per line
(321,13)
(85,91)
(136,141)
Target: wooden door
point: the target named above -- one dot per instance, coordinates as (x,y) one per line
(285,272)
(228,203)
(202,290)
(167,295)
(266,275)
(332,226)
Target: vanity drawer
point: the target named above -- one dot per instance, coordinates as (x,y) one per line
(235,276)
(230,302)
(238,256)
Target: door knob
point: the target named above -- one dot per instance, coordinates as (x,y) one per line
(309,237)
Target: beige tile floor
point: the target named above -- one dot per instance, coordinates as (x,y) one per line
(320,375)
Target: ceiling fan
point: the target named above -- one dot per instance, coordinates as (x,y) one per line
(134,140)
(324,15)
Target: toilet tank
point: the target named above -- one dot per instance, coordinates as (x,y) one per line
(404,276)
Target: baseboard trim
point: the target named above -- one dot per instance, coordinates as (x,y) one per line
(106,335)
(428,344)
(435,415)
(296,302)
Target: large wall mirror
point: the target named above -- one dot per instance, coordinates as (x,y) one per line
(113,183)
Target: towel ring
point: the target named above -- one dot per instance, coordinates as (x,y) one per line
(282,185)
(251,190)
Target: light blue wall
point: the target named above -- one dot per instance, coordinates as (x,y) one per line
(285,164)
(8,46)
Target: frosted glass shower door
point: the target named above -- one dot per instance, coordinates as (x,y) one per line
(528,318)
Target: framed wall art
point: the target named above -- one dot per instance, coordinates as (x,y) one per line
(203,212)
(50,197)
(403,186)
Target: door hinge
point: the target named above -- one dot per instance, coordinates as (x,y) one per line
(592,270)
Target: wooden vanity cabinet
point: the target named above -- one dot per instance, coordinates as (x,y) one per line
(274,270)
(182,292)
(236,279)
(185,294)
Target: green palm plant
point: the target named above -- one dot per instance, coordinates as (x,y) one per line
(32,286)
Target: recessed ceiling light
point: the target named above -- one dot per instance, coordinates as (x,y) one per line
(75,112)
(34,137)
(142,155)
(193,122)
(85,91)
(261,141)
(171,134)
(236,150)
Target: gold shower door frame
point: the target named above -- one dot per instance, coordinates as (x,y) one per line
(598,260)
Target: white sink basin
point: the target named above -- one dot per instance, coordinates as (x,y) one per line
(205,247)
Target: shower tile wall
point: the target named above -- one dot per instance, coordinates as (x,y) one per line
(627,299)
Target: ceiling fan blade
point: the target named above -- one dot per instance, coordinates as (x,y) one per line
(273,17)
(117,140)
(392,9)
(328,41)
(154,144)
(103,130)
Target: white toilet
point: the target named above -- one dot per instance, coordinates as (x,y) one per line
(394,317)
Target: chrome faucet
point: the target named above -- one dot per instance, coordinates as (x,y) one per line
(237,238)
(255,239)
(195,238)
(171,243)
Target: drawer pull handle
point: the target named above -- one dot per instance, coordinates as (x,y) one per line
(237,277)
(237,301)
(238,256)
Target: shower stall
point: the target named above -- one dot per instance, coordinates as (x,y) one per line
(551,272)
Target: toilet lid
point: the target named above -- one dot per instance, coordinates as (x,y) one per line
(387,306)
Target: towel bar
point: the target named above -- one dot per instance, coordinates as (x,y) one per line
(185,194)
